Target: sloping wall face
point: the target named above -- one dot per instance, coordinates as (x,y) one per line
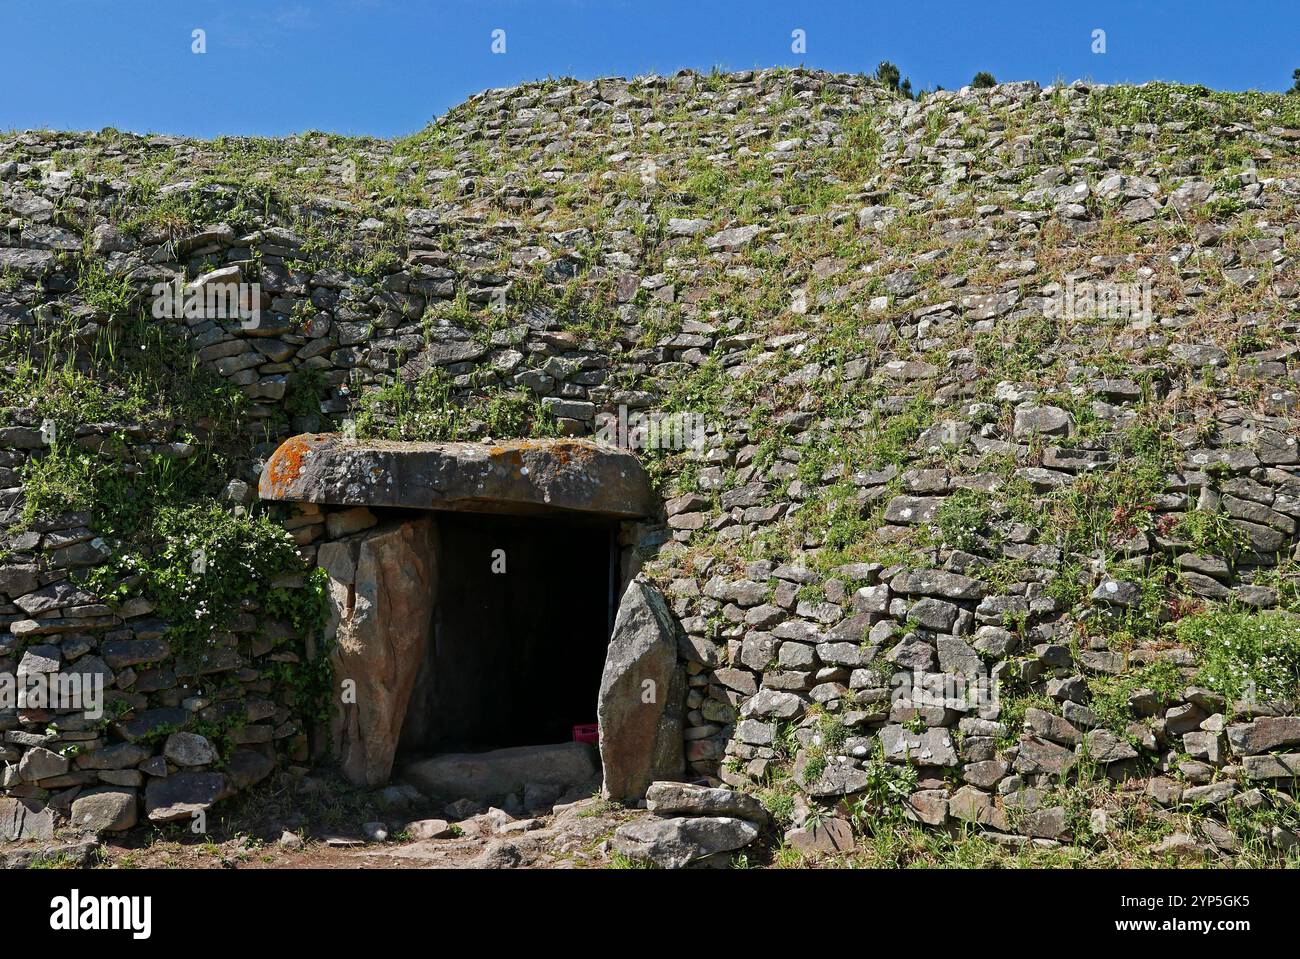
(996,390)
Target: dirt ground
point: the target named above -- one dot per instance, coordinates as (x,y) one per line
(321,822)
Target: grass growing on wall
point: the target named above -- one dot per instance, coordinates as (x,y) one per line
(131,370)
(431,408)
(143,440)
(1255,656)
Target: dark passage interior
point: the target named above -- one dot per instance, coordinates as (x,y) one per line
(515,657)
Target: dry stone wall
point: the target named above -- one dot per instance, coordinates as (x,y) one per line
(999,392)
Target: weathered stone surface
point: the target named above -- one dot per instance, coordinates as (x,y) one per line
(933,747)
(1264,734)
(914,654)
(912,510)
(1211,794)
(152,721)
(1279,766)
(349,521)
(1116,592)
(837,777)
(957,658)
(1179,845)
(381,643)
(825,838)
(108,809)
(671,799)
(58,595)
(246,767)
(976,806)
(936,582)
(639,706)
(934,614)
(1184,719)
(189,749)
(132,652)
(429,829)
(968,803)
(1165,791)
(1038,755)
(1105,747)
(929,806)
(1205,746)
(17,579)
(182,794)
(492,776)
(25,819)
(675,843)
(39,763)
(27,262)
(984,774)
(1049,823)
(774,703)
(516,476)
(1051,727)
(116,756)
(1047,420)
(736,238)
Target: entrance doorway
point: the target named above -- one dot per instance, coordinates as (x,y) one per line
(521,623)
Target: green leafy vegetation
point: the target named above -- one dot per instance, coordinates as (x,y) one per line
(150,491)
(1251,655)
(888,76)
(1110,694)
(130,369)
(431,408)
(963,518)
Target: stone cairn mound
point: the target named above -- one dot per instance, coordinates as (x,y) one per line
(990,520)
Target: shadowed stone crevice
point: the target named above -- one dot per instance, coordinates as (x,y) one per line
(518,644)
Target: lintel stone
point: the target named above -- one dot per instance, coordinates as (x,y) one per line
(513,476)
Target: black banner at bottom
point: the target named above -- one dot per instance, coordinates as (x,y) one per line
(336,908)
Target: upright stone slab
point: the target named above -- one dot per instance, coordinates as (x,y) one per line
(641,697)
(381,639)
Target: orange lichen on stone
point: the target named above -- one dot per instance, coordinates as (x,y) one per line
(563,452)
(286,465)
(506,455)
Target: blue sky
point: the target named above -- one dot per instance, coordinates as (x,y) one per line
(386,67)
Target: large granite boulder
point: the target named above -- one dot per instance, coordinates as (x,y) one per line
(381,640)
(105,809)
(515,476)
(642,692)
(681,841)
(687,799)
